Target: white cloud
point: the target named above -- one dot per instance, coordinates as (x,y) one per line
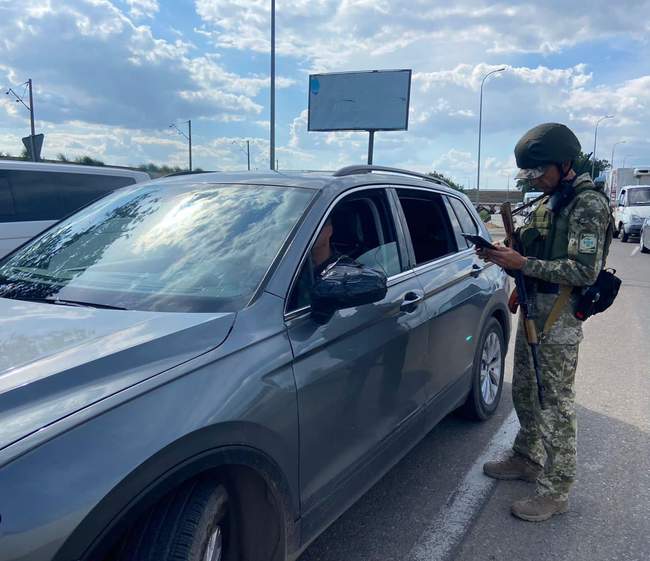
(143,8)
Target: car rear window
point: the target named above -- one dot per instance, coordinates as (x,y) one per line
(164,247)
(51,195)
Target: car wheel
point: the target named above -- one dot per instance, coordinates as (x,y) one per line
(487,374)
(624,236)
(192,523)
(615,233)
(644,249)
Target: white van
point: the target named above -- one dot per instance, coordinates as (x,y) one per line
(632,209)
(35,195)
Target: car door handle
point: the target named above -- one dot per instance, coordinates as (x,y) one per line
(411,301)
(476,270)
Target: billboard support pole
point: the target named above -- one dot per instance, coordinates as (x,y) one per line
(371,146)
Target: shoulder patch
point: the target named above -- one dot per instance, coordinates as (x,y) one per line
(587,243)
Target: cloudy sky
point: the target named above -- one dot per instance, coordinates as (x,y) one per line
(110,76)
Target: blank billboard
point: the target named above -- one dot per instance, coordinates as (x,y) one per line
(376,100)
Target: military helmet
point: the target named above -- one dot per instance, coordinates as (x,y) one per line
(548,143)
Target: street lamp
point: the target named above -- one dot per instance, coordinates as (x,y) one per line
(613,148)
(480,120)
(593,163)
(189,138)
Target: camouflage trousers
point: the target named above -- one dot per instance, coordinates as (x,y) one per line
(547,436)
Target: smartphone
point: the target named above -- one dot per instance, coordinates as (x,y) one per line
(478,241)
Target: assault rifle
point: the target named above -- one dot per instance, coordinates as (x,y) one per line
(526,301)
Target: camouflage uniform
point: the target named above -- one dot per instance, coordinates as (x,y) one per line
(548,437)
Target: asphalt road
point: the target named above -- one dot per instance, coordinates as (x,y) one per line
(436,506)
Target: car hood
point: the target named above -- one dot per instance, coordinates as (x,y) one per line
(642,210)
(55,360)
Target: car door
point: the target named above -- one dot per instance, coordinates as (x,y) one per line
(451,276)
(363,374)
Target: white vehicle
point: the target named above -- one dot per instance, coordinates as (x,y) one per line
(644,239)
(531,196)
(632,209)
(33,196)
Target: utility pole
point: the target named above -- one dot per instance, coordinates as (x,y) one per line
(30,108)
(187,136)
(31,118)
(480,122)
(272,139)
(248,154)
(189,126)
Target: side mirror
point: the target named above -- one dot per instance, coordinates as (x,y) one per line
(346,285)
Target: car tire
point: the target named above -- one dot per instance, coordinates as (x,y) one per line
(644,249)
(487,373)
(615,233)
(624,236)
(192,523)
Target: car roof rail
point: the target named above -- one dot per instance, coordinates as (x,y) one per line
(359,169)
(186,172)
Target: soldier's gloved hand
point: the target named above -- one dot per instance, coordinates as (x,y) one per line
(513,301)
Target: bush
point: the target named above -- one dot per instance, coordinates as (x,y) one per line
(485,215)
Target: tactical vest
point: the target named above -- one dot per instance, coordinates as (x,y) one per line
(545,235)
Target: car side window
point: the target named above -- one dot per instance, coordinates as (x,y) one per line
(428,224)
(463,219)
(461,242)
(467,223)
(359,227)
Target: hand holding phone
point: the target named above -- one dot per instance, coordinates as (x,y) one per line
(478,241)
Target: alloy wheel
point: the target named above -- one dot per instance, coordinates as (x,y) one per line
(491,359)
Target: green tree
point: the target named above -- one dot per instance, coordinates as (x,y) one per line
(447,180)
(88,161)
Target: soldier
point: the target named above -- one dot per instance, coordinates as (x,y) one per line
(564,244)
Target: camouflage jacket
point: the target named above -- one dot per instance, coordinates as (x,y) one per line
(587,219)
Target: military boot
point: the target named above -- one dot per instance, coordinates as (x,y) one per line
(538,509)
(515,466)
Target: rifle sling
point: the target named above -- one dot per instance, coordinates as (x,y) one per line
(560,302)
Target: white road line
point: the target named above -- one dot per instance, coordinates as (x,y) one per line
(450,526)
(635,251)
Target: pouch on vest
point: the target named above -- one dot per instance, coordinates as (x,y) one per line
(599,296)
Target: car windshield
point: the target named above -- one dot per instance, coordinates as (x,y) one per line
(639,197)
(163,247)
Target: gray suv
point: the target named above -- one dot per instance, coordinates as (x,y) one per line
(214,367)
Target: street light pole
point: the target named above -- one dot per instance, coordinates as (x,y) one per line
(480,123)
(272,133)
(593,163)
(613,148)
(248,154)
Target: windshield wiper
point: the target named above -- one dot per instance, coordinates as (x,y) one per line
(75,303)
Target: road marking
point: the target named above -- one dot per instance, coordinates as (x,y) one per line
(635,251)
(454,518)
